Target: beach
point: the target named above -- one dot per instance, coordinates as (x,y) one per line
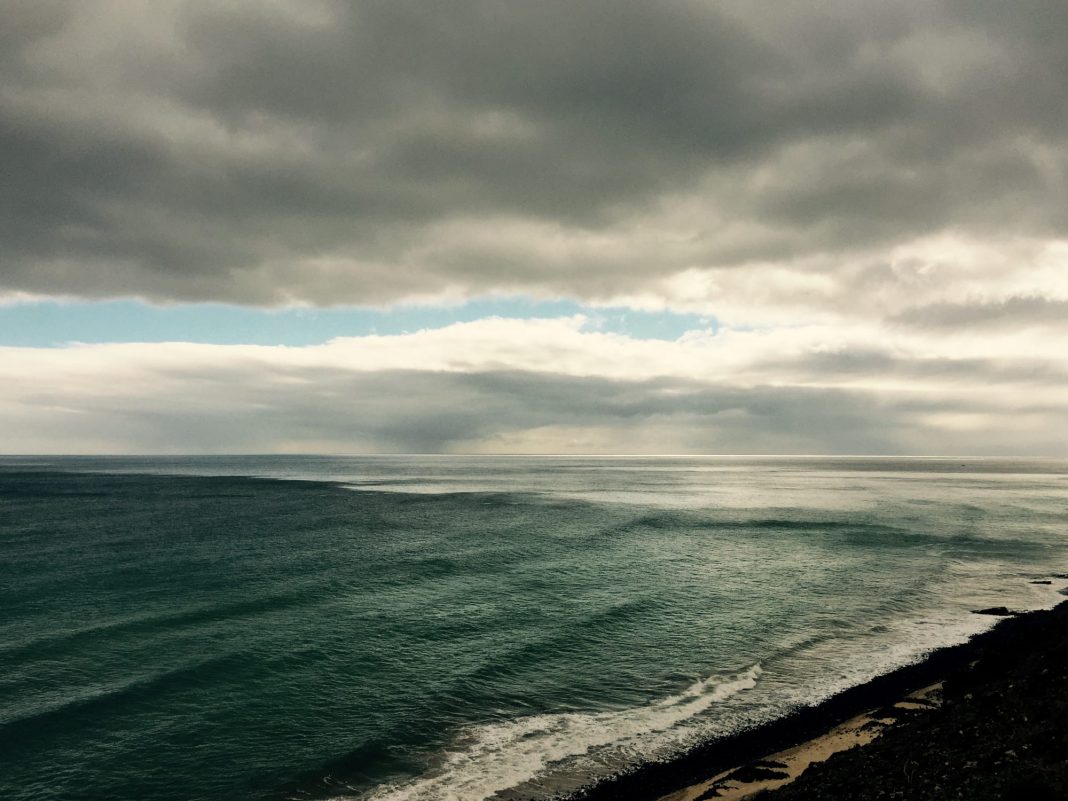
(786,766)
(987,719)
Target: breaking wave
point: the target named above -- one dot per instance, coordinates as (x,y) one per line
(491,758)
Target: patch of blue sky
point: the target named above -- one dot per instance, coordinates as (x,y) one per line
(54,324)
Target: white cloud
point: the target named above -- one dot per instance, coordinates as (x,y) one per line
(544,385)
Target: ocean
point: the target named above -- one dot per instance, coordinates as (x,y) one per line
(446,628)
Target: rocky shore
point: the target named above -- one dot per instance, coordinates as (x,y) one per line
(1001,731)
(987,719)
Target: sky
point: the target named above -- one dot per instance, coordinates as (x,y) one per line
(468,226)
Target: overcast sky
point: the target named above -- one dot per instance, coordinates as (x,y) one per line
(701,226)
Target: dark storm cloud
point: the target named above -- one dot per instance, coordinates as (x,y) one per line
(253,409)
(428,412)
(875,363)
(1012,313)
(368,152)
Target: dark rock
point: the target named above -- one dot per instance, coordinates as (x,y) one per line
(768,763)
(1000,736)
(755,772)
(712,792)
(1006,690)
(1043,581)
(892,712)
(1036,788)
(999,611)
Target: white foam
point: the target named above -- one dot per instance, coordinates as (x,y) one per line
(832,666)
(495,757)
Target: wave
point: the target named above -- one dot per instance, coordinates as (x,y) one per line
(96,703)
(529,753)
(165,621)
(491,758)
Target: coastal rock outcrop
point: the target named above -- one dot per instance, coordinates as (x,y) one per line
(1001,733)
(997,611)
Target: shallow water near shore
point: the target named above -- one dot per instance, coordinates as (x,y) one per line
(460,628)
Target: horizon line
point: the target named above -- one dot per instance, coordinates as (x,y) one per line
(162,455)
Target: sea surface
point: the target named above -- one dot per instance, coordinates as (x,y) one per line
(417,628)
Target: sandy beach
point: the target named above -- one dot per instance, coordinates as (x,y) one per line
(783,767)
(984,719)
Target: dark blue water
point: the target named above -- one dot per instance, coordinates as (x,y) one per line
(450,628)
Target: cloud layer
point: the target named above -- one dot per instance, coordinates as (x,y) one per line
(550,386)
(869,198)
(739,156)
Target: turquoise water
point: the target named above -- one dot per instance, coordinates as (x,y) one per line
(448,628)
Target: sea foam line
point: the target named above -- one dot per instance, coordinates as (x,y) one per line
(499,756)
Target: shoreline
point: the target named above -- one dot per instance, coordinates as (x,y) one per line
(773,771)
(701,765)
